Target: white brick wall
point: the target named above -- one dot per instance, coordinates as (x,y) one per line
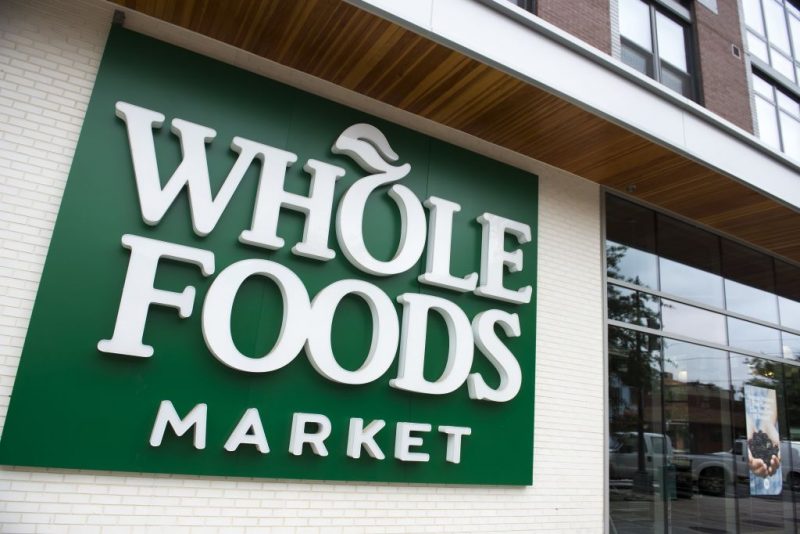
(49,53)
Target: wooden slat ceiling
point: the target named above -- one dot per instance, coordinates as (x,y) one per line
(352,48)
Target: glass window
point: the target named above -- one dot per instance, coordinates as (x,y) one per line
(671,42)
(790,446)
(631,243)
(790,131)
(759,409)
(777,116)
(776,25)
(749,282)
(636,464)
(698,421)
(663,56)
(693,322)
(634,307)
(791,346)
(757,47)
(776,43)
(634,23)
(687,438)
(752,15)
(528,5)
(767,123)
(754,337)
(787,278)
(690,263)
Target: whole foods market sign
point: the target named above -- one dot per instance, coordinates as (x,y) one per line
(245,279)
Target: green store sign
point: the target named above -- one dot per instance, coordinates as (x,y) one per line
(246,279)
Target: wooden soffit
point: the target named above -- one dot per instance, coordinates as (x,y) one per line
(362,52)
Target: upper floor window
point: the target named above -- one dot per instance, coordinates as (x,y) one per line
(527,5)
(773,35)
(777,116)
(656,42)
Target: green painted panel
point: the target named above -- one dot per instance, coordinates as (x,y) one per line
(74,406)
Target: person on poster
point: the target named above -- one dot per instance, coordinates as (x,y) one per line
(763,441)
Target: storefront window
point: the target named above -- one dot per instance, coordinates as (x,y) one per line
(698,423)
(706,414)
(765,498)
(690,262)
(637,449)
(631,243)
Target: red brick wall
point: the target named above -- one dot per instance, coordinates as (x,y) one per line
(724,78)
(588,20)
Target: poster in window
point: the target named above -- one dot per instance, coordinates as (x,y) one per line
(763,441)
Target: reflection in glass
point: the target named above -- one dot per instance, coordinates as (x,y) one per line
(767,123)
(790,313)
(631,265)
(791,450)
(790,344)
(691,283)
(751,301)
(690,261)
(776,25)
(631,242)
(754,337)
(634,307)
(671,42)
(758,514)
(749,282)
(752,15)
(788,287)
(698,422)
(693,322)
(634,22)
(638,452)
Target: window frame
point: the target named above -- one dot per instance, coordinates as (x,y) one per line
(764,72)
(794,55)
(678,13)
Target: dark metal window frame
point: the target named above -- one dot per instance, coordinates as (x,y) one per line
(527,5)
(676,12)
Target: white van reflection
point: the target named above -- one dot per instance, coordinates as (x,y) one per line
(628,468)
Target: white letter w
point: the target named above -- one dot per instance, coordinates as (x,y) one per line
(193,169)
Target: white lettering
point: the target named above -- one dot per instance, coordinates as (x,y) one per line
(138,292)
(370,149)
(403,441)
(454,434)
(385,332)
(360,437)
(168,416)
(249,431)
(416,308)
(494,258)
(218,307)
(498,354)
(192,172)
(317,207)
(300,435)
(440,235)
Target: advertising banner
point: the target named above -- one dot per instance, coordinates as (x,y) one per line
(763,441)
(249,280)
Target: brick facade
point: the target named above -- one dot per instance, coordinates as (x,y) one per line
(588,20)
(723,75)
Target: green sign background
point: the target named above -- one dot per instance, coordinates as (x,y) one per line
(73,406)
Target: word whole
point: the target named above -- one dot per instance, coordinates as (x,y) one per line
(392,336)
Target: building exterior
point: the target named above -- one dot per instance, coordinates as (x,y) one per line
(643,156)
